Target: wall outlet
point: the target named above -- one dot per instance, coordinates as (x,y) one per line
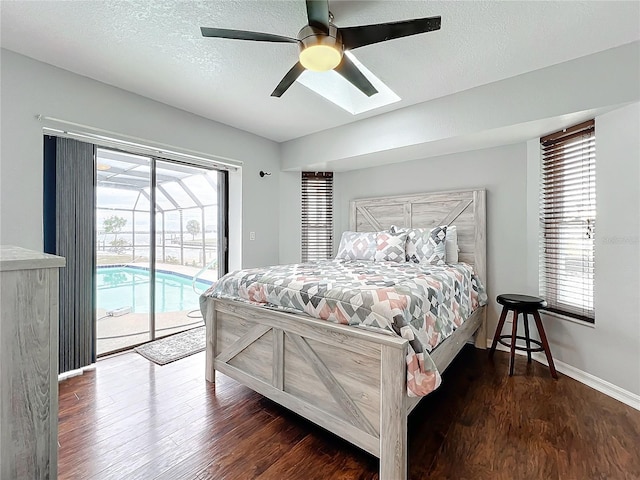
(252,235)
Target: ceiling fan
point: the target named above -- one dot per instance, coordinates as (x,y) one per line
(322,44)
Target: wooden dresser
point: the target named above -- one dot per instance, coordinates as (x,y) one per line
(28,364)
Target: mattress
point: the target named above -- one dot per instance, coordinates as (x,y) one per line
(421,303)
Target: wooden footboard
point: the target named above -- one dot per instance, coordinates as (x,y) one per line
(347,380)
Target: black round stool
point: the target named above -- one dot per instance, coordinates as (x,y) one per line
(526,305)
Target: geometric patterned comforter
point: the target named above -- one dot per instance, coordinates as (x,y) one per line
(422,303)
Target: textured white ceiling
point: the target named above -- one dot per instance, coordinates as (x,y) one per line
(154,48)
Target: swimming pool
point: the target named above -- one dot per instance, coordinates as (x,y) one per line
(125,286)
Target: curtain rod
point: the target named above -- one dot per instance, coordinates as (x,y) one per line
(117,140)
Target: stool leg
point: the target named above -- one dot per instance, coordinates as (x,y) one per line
(545,344)
(526,334)
(514,330)
(496,336)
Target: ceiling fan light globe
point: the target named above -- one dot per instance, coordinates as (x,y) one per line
(320,58)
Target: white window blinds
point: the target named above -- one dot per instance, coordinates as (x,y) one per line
(317,216)
(567,220)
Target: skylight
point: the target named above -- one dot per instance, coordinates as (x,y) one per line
(332,86)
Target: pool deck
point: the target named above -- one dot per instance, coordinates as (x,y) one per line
(116,333)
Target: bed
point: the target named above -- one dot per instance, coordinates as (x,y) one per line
(350,381)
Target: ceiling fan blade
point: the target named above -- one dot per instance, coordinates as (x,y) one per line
(244,35)
(318,14)
(348,70)
(354,37)
(288,80)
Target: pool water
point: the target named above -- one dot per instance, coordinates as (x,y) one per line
(118,287)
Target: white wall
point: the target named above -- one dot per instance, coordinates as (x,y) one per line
(29,87)
(611,350)
(501,171)
(462,121)
(290,217)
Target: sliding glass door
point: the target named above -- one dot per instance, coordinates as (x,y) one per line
(186,243)
(151,268)
(123,264)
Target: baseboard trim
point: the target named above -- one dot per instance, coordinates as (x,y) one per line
(76,372)
(609,389)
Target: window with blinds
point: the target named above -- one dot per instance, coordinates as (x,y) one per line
(317,216)
(568,220)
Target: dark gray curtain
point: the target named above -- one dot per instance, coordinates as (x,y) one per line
(69,228)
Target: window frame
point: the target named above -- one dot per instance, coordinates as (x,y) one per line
(567,220)
(316,216)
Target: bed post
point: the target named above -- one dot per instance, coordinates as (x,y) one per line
(210,323)
(393,413)
(480,253)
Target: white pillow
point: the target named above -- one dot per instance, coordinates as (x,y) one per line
(451,244)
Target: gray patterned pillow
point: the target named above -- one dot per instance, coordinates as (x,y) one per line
(357,246)
(390,247)
(431,246)
(424,245)
(413,235)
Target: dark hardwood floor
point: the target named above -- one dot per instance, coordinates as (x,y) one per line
(132,419)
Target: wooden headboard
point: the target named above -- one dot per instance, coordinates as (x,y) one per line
(466,209)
